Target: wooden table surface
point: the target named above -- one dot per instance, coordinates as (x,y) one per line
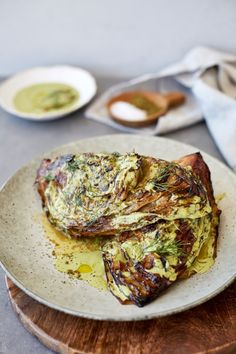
(208,328)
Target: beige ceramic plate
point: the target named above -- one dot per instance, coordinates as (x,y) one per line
(25,254)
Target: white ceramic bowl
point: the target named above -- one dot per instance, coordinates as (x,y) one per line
(78,78)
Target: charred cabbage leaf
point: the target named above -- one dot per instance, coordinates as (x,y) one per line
(160,216)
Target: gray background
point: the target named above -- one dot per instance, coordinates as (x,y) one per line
(113,39)
(125,37)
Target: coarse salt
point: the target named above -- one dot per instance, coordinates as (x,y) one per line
(127,111)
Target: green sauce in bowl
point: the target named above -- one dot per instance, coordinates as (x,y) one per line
(45,97)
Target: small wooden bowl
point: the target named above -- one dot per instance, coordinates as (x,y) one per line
(163,101)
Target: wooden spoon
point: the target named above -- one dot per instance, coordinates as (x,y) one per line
(163,101)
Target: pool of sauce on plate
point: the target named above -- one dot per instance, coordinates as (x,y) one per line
(45,97)
(81,259)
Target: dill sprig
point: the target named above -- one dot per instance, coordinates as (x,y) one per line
(160,187)
(73,165)
(160,182)
(165,248)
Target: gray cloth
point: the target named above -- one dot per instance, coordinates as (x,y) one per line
(208,78)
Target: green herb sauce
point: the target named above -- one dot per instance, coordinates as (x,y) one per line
(45,97)
(145,104)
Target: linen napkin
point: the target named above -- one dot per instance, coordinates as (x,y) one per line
(208,79)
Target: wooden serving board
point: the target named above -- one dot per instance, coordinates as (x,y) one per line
(209,328)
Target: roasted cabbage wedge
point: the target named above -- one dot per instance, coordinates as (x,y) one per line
(159,219)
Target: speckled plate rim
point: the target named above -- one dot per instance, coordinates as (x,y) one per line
(121,319)
(95,316)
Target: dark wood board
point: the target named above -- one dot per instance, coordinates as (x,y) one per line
(208,328)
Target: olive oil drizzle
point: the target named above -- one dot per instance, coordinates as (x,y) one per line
(80,259)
